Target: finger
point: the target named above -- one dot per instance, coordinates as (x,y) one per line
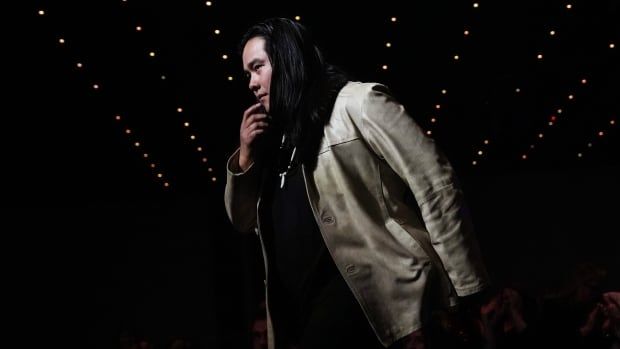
(253,118)
(257,132)
(251,110)
(261,124)
(258,125)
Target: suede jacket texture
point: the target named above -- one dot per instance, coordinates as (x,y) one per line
(388,206)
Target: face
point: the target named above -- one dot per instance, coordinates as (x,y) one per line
(259,334)
(257,66)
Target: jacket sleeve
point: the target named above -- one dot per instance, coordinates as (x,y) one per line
(241,194)
(395,137)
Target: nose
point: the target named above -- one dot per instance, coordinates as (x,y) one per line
(253,84)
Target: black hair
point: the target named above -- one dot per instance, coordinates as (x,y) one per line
(303,85)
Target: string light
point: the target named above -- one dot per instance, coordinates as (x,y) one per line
(455,57)
(598,134)
(569,6)
(138,144)
(384,67)
(298,18)
(163,77)
(41,13)
(61,41)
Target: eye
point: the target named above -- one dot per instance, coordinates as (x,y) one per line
(258,66)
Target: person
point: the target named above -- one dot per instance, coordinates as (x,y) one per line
(601,329)
(361,219)
(507,319)
(258,327)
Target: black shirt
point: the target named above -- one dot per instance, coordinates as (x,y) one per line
(308,297)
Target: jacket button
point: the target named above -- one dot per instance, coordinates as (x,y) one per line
(351,269)
(328,220)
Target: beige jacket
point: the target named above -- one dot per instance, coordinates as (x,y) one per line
(372,158)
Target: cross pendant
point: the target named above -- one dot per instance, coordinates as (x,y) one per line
(282,179)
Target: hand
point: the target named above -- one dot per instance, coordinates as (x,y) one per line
(594,321)
(254,123)
(415,340)
(612,304)
(611,325)
(515,320)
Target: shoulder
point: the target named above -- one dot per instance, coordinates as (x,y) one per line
(357,90)
(367,99)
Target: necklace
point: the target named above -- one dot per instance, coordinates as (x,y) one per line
(290,163)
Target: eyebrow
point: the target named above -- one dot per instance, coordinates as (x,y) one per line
(251,63)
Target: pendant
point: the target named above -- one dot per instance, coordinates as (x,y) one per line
(283,174)
(282,179)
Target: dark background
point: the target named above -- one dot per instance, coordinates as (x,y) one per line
(98,248)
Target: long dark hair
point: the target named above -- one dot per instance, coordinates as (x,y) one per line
(303,86)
